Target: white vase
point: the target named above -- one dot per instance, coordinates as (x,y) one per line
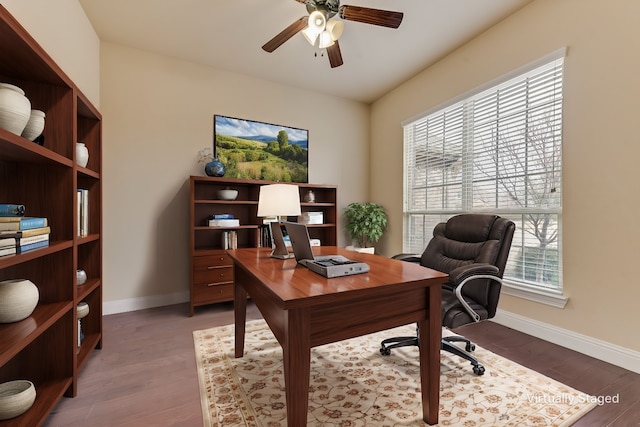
(18,299)
(34,126)
(15,108)
(81,277)
(82,154)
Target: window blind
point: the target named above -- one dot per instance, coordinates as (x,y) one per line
(498,150)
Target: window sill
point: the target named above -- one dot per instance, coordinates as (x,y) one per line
(552,298)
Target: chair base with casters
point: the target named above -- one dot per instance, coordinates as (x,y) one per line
(446,345)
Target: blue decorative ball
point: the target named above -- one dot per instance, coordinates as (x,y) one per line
(215,168)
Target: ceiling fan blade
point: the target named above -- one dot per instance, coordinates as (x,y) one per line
(384,18)
(285,34)
(334,54)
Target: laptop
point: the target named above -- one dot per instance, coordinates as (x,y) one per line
(327,265)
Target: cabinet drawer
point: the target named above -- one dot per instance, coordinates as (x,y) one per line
(209,261)
(213,275)
(211,293)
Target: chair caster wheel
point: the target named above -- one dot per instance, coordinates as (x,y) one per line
(470,347)
(385,351)
(478,370)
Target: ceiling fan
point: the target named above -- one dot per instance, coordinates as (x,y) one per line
(322,31)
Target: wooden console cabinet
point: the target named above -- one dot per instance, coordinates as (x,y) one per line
(211,268)
(43,348)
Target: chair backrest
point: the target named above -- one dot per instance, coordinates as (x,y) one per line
(467,239)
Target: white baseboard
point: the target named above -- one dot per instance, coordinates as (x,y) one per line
(132,304)
(602,350)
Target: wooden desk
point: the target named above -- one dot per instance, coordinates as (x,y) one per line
(304,310)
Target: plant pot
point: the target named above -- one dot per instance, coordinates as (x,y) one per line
(18,299)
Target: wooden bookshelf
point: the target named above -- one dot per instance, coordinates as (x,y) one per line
(211,268)
(43,348)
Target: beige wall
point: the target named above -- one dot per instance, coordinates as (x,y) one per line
(65,33)
(158,113)
(601,206)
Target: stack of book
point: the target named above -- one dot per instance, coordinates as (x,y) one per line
(311,218)
(223,220)
(27,233)
(7,246)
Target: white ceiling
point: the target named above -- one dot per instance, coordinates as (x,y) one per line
(229,34)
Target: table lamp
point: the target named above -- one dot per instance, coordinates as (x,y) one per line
(278,200)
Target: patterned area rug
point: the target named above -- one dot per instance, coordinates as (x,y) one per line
(353,385)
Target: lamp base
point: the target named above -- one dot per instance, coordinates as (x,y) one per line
(281,256)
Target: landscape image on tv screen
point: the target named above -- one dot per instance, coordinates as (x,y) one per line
(256,150)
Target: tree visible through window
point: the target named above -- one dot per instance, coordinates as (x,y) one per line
(497,151)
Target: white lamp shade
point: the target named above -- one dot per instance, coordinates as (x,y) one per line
(279,200)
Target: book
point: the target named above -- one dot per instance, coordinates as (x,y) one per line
(8,209)
(8,223)
(9,250)
(23,241)
(224,222)
(7,242)
(83,212)
(25,233)
(31,246)
(311,218)
(222,216)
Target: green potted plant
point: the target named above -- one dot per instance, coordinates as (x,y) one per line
(365,223)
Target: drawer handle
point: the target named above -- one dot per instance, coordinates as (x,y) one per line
(213,267)
(219,283)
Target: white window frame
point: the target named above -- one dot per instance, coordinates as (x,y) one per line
(518,288)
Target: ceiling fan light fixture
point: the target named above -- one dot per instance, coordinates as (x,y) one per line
(335,28)
(317,21)
(310,35)
(325,40)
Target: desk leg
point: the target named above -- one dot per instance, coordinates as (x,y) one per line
(240,311)
(296,351)
(430,334)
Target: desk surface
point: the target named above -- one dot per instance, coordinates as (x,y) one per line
(294,285)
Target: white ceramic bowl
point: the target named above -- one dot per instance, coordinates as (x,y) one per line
(82,310)
(18,299)
(34,126)
(227,194)
(16,397)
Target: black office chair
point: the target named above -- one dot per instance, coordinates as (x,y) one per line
(473,249)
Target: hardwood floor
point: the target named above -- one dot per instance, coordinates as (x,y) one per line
(145,375)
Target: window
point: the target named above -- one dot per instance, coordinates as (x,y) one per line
(498,150)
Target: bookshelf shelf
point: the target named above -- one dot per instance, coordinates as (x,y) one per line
(211,269)
(45,179)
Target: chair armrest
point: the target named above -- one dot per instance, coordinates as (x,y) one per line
(460,274)
(415,258)
(463,275)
